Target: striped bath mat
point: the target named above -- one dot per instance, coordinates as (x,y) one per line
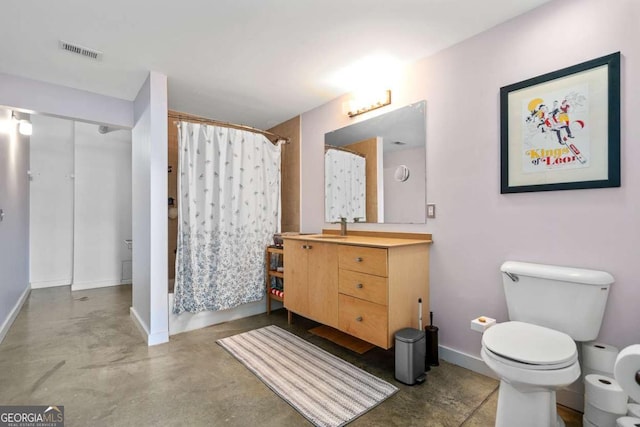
(324,388)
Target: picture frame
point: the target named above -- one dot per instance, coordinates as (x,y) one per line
(561,130)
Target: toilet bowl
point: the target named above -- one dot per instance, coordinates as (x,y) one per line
(535,354)
(532,363)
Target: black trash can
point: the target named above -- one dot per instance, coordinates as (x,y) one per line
(410,356)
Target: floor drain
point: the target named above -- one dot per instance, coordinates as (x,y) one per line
(83,299)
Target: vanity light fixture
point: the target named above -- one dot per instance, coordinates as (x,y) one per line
(364,104)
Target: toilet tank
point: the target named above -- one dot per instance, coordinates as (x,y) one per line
(570,300)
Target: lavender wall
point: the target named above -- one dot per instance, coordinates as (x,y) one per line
(477,228)
(65,102)
(14,228)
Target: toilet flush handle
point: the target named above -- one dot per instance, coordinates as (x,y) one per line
(512,276)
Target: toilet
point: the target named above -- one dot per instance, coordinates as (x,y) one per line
(535,354)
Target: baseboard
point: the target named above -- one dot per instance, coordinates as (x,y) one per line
(571,397)
(81,286)
(151,339)
(6,325)
(137,320)
(50,283)
(185,322)
(158,338)
(468,361)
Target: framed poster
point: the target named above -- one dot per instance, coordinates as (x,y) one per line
(561,130)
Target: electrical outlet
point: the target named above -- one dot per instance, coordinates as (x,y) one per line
(431,210)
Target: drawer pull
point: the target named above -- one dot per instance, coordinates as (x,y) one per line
(359,286)
(359,319)
(359,259)
(306,246)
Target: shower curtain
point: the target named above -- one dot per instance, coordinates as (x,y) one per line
(229,192)
(345,186)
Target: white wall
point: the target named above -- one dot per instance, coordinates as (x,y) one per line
(477,228)
(149,210)
(51,202)
(80,204)
(102,218)
(14,229)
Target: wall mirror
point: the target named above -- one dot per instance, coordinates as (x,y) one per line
(375,170)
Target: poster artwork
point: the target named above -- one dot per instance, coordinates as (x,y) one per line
(555,130)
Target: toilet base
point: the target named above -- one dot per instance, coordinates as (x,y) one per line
(533,407)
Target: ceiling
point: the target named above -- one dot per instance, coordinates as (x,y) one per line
(255,62)
(400,129)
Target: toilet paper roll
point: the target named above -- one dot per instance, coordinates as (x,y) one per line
(587,423)
(633,410)
(587,371)
(605,394)
(599,357)
(599,417)
(628,422)
(627,371)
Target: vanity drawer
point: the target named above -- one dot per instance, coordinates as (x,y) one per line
(363,286)
(363,259)
(363,319)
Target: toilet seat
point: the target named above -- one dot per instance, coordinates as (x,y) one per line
(528,346)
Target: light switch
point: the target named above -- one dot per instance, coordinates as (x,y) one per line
(431,210)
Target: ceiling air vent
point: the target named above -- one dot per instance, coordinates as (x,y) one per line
(80,50)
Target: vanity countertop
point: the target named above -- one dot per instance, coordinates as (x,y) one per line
(366,238)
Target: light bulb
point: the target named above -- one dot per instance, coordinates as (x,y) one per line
(25,127)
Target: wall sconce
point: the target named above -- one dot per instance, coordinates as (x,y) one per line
(24,126)
(364,103)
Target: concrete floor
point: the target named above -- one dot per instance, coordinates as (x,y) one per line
(81,350)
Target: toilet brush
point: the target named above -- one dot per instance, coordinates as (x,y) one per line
(427,368)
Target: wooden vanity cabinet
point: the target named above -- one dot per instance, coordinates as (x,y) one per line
(311,272)
(364,286)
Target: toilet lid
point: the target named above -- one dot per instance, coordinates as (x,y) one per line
(530,344)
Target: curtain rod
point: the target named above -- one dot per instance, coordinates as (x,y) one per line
(198,119)
(329,147)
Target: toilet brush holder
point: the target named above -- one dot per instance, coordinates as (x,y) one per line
(431,335)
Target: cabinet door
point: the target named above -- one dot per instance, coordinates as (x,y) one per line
(295,277)
(322,261)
